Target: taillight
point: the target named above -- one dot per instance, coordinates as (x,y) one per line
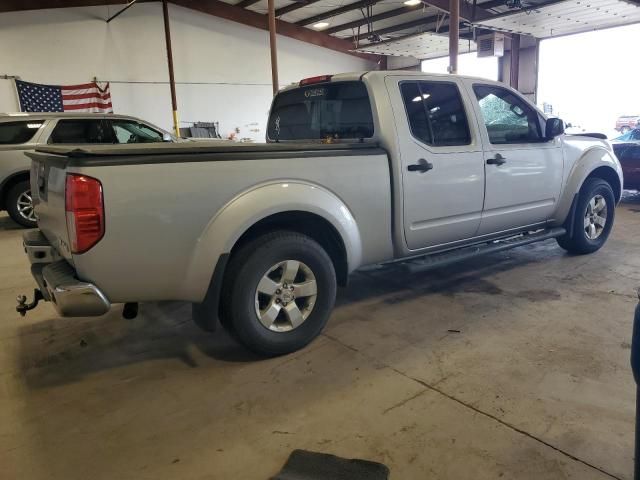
(312,80)
(85,212)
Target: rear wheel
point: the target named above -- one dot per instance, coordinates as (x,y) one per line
(624,130)
(20,204)
(278,293)
(593,219)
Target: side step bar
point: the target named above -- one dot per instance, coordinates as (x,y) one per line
(452,256)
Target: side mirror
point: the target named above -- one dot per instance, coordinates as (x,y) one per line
(166,137)
(553,128)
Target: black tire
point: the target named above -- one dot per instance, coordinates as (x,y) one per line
(246,269)
(13,196)
(579,242)
(624,130)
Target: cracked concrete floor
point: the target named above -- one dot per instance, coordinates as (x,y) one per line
(511,366)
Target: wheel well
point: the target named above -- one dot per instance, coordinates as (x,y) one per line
(8,183)
(308,224)
(609,175)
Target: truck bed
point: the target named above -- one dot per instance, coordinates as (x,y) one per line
(169,208)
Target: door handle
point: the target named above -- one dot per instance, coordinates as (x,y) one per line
(422,166)
(497,160)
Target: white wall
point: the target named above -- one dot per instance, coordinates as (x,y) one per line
(222,68)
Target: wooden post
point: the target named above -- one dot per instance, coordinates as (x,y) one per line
(454,34)
(514,71)
(172,80)
(272,44)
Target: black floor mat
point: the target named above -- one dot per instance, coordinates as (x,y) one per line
(304,465)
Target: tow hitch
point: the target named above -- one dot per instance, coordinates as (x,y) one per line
(23,307)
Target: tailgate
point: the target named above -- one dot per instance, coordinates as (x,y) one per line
(48,175)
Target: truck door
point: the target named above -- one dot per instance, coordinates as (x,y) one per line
(523,170)
(441,161)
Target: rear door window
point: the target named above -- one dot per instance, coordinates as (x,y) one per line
(339,110)
(82,131)
(436,114)
(15,133)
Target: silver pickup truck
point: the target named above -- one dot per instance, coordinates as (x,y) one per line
(359,169)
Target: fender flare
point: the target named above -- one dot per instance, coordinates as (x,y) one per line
(591,160)
(261,201)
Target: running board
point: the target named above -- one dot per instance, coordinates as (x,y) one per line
(452,256)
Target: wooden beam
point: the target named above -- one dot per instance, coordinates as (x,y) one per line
(272,46)
(172,80)
(19,5)
(466,10)
(372,19)
(246,3)
(431,21)
(295,6)
(337,11)
(220,9)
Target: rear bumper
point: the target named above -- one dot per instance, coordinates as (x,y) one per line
(58,282)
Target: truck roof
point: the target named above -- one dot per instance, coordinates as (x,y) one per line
(354,76)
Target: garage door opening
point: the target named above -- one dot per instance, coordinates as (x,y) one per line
(590,79)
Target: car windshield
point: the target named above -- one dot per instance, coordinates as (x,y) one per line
(339,110)
(631,135)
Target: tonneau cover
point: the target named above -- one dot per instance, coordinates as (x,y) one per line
(201,147)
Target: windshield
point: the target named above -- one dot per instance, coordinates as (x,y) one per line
(132,132)
(327,111)
(630,136)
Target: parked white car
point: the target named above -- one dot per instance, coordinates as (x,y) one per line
(23,132)
(362,168)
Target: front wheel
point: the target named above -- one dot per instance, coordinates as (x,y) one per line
(593,219)
(278,293)
(20,205)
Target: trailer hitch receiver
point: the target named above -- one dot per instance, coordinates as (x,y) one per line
(23,307)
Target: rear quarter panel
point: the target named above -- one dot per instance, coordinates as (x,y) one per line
(163,234)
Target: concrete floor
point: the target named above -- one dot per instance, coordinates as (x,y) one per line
(512,366)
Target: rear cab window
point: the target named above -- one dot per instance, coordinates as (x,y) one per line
(16,133)
(326,111)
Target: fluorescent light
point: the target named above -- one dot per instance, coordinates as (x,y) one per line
(412,3)
(34,125)
(320,25)
(423,97)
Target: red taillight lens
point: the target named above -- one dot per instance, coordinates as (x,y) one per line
(312,80)
(85,212)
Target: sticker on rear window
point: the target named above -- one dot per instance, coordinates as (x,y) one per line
(314,92)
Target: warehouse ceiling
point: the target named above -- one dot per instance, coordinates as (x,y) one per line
(398,27)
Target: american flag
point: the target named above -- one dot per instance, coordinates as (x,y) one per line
(87,97)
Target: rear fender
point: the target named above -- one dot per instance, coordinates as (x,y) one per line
(262,201)
(592,159)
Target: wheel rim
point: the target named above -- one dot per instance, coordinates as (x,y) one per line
(25,206)
(285,296)
(595,217)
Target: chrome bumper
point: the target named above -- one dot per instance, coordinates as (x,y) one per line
(58,283)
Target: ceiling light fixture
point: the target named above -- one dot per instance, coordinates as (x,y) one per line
(320,25)
(423,97)
(412,3)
